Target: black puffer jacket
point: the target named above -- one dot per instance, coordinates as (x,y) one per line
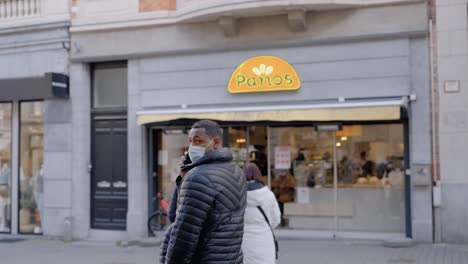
(209,224)
(171,215)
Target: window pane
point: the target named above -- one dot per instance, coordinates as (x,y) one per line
(368,154)
(31,160)
(110,87)
(174,144)
(5,167)
(371,178)
(237,142)
(258,149)
(302,175)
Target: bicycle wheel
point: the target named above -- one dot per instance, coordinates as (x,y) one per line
(157,222)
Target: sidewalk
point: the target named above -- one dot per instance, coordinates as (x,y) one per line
(357,252)
(43,251)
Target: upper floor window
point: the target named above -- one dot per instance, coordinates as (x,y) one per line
(109,85)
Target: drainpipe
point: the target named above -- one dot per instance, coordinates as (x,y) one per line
(434,110)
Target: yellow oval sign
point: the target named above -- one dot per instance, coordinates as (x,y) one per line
(264,74)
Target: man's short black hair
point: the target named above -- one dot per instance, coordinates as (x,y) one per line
(211,127)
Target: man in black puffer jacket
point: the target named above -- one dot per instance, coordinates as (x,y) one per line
(209,223)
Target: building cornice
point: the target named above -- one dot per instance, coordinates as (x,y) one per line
(34,24)
(212,10)
(77,58)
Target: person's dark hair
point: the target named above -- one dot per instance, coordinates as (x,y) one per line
(187,159)
(363,155)
(212,128)
(252,173)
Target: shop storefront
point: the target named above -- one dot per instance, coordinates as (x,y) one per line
(22,150)
(335,165)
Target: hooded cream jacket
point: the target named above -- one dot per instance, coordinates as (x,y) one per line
(258,244)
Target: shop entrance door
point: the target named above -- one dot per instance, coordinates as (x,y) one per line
(109,174)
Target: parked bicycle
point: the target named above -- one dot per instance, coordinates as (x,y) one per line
(158,220)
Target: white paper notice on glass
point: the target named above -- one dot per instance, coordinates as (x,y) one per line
(163,158)
(303,195)
(283,157)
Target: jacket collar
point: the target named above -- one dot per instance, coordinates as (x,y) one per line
(253,185)
(217,155)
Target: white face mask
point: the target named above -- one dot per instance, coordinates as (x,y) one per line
(197,152)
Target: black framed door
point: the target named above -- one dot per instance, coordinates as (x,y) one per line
(109,174)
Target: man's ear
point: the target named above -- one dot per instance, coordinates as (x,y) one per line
(217,143)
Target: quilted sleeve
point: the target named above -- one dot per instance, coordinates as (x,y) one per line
(173,205)
(194,207)
(164,244)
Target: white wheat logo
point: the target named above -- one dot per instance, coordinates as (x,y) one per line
(263,70)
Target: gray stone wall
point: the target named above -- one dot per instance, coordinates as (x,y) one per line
(350,70)
(420,142)
(452,49)
(80,96)
(137,159)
